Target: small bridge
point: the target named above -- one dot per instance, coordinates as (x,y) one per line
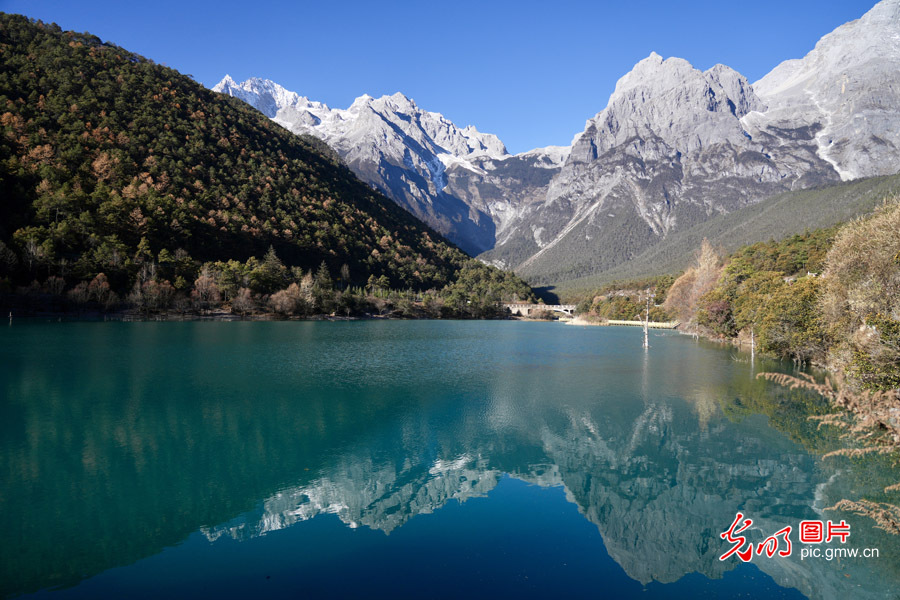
(525,310)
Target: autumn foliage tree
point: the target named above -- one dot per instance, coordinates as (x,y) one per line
(860,300)
(685,293)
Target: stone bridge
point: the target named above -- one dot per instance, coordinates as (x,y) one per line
(525,310)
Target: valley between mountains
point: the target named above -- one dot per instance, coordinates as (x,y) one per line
(673,148)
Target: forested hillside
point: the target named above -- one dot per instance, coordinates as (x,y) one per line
(830,296)
(773,219)
(111,164)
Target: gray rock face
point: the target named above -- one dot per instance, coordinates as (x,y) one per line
(507,188)
(674,146)
(847,90)
(669,151)
(686,108)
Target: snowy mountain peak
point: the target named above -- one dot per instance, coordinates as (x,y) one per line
(400,100)
(652,68)
(886,11)
(361,102)
(265,95)
(846,89)
(673,102)
(388,141)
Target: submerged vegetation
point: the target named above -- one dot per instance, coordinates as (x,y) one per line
(870,421)
(126,183)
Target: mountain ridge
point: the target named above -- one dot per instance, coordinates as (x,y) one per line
(673,147)
(113,165)
(411,154)
(774,218)
(395,146)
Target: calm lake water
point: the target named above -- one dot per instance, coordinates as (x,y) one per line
(410,459)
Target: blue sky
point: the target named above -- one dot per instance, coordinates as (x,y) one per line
(530,72)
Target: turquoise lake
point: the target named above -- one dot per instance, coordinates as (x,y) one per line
(411,459)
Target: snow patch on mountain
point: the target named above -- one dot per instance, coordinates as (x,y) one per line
(400,117)
(674,146)
(847,89)
(549,156)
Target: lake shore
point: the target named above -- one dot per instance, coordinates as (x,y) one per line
(220,315)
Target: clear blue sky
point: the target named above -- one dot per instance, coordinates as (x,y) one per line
(530,72)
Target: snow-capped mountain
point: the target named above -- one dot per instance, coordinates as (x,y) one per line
(394,145)
(368,119)
(848,89)
(674,146)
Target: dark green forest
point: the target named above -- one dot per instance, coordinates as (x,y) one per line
(126,183)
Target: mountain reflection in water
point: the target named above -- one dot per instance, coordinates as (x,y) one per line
(120,439)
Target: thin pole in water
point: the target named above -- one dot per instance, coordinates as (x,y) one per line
(752,346)
(645,321)
(647,326)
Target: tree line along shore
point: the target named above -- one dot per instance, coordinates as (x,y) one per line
(829,297)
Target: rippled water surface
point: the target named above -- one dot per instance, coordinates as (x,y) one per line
(409,459)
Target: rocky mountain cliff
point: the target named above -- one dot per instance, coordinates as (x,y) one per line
(847,90)
(410,154)
(670,150)
(674,146)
